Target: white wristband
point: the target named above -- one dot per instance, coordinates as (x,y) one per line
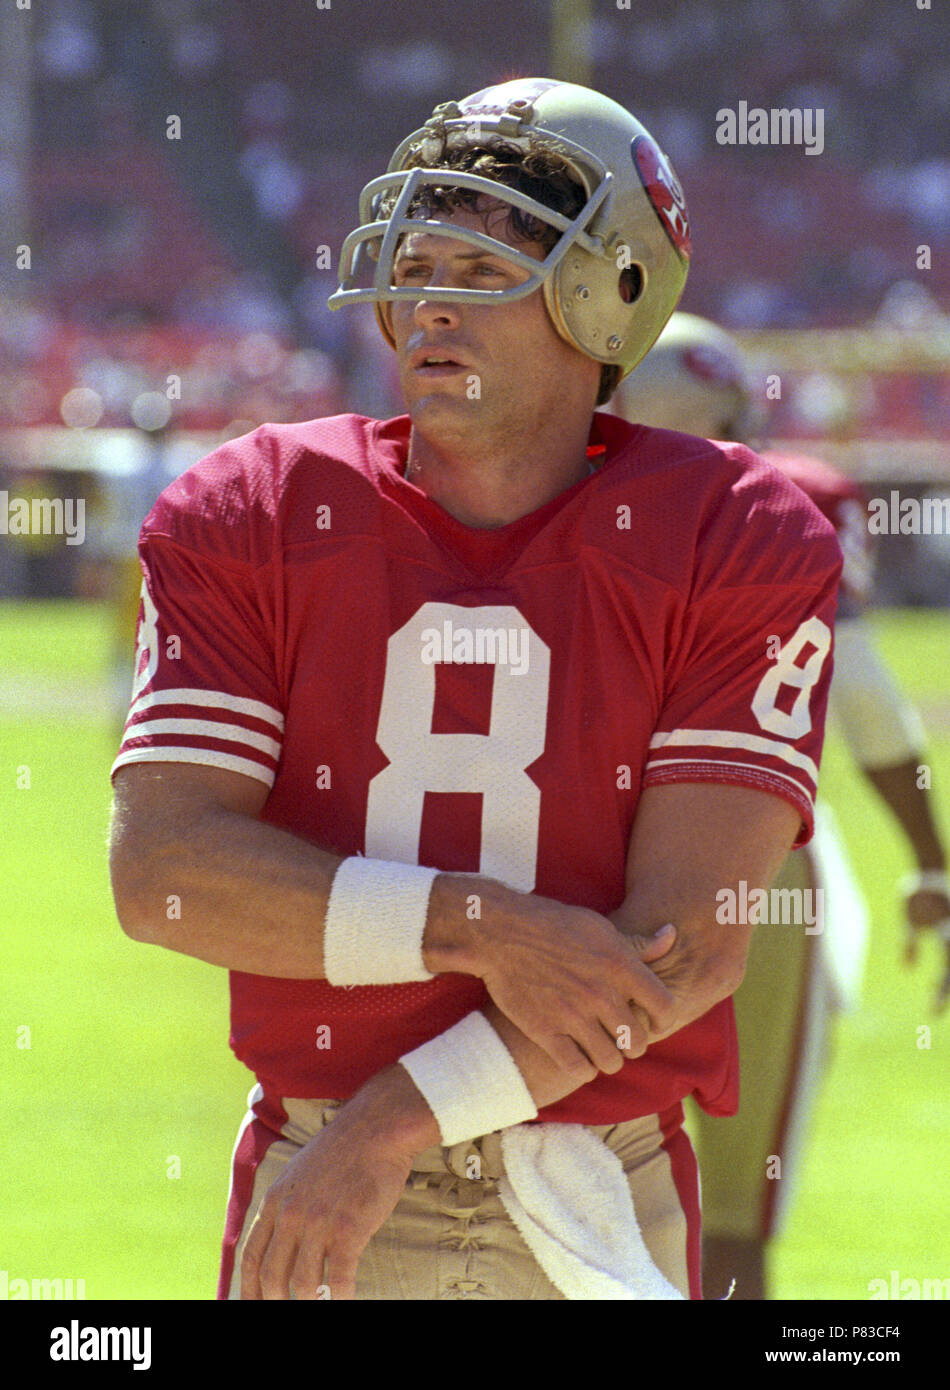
(926,881)
(470,1081)
(375,922)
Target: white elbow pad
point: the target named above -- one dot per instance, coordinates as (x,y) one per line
(880,725)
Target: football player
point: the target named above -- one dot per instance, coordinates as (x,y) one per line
(695,380)
(447,729)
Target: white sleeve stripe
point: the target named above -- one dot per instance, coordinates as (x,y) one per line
(215,699)
(230,762)
(748,743)
(756,768)
(205,728)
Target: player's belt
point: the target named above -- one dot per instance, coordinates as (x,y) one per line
(476,1159)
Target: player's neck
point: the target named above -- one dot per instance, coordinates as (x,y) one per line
(488,487)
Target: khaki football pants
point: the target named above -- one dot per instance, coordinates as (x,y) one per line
(449,1236)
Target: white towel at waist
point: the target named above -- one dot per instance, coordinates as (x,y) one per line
(566,1192)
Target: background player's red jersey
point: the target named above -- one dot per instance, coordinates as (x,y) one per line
(845,504)
(488,701)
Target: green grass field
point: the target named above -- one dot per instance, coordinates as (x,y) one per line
(121,1099)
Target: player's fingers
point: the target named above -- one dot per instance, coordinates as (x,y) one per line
(643,988)
(278,1260)
(565,1054)
(306,1278)
(254,1247)
(630,1030)
(650,948)
(600,1047)
(341,1271)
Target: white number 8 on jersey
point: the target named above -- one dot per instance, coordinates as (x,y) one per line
(801,678)
(493,763)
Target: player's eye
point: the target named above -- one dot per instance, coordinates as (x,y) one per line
(411,271)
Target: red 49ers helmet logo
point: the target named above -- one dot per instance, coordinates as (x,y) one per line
(709,364)
(664,191)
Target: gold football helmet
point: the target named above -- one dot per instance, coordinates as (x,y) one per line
(634,217)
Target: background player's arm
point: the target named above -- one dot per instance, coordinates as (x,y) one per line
(909,802)
(885,736)
(926,907)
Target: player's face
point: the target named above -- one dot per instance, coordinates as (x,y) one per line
(474,366)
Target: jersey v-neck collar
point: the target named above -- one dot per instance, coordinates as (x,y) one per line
(483,551)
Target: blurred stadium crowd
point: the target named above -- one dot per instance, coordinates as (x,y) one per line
(198,268)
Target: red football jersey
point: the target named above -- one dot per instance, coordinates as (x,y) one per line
(845,504)
(487,701)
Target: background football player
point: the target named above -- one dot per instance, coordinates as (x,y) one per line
(695,380)
(456,891)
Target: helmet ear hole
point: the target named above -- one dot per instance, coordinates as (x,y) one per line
(630,284)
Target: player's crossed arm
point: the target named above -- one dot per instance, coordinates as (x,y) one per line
(316,1220)
(690,841)
(573,985)
(253,898)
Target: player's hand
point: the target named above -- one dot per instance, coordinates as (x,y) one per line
(572,983)
(318,1217)
(928,910)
